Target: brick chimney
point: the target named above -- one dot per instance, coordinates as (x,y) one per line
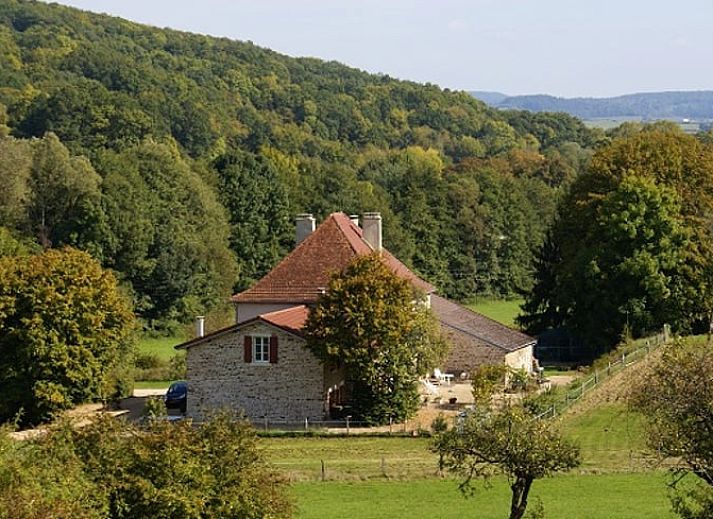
(304,226)
(371,230)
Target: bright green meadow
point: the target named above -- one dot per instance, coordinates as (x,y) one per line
(606,496)
(160,346)
(502,310)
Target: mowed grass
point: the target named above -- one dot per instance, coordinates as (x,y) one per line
(351,458)
(501,310)
(611,437)
(152,384)
(160,346)
(605,496)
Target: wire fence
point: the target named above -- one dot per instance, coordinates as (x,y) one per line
(625,357)
(343,426)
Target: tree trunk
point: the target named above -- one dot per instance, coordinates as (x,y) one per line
(520,491)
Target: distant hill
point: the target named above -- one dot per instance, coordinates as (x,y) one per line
(654,105)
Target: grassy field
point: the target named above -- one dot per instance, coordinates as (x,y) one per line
(607,496)
(161,346)
(501,310)
(395,477)
(611,438)
(152,384)
(352,458)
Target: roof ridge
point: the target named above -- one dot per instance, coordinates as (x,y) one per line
(344,223)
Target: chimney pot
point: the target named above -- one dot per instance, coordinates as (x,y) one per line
(304,226)
(200,326)
(371,225)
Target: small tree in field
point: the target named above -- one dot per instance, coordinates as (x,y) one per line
(373,322)
(677,400)
(509,442)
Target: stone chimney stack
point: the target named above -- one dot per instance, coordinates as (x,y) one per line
(200,326)
(304,226)
(371,225)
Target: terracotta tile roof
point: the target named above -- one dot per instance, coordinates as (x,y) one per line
(304,273)
(463,320)
(291,320)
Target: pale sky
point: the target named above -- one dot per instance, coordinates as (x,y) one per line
(560,47)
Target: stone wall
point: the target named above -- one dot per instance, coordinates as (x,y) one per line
(520,359)
(288,391)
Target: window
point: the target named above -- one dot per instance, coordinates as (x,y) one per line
(261,348)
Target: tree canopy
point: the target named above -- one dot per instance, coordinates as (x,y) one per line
(65,336)
(631,245)
(676,398)
(114,126)
(377,326)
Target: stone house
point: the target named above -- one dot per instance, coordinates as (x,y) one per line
(261,365)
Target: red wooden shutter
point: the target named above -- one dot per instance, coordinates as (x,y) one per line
(248,348)
(273,349)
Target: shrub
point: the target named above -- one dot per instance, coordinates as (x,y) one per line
(111,468)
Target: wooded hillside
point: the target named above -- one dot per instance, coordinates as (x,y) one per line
(179,160)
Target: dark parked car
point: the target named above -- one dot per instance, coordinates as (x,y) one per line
(177,396)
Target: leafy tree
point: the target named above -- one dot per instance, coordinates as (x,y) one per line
(112,468)
(676,398)
(64,205)
(12,246)
(169,233)
(261,227)
(486,380)
(15,171)
(510,442)
(631,246)
(65,333)
(373,323)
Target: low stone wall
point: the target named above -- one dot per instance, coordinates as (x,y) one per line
(290,390)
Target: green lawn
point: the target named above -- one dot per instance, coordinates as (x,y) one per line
(607,496)
(152,384)
(161,346)
(611,437)
(501,310)
(354,458)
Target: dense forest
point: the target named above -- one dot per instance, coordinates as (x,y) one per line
(650,105)
(180,160)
